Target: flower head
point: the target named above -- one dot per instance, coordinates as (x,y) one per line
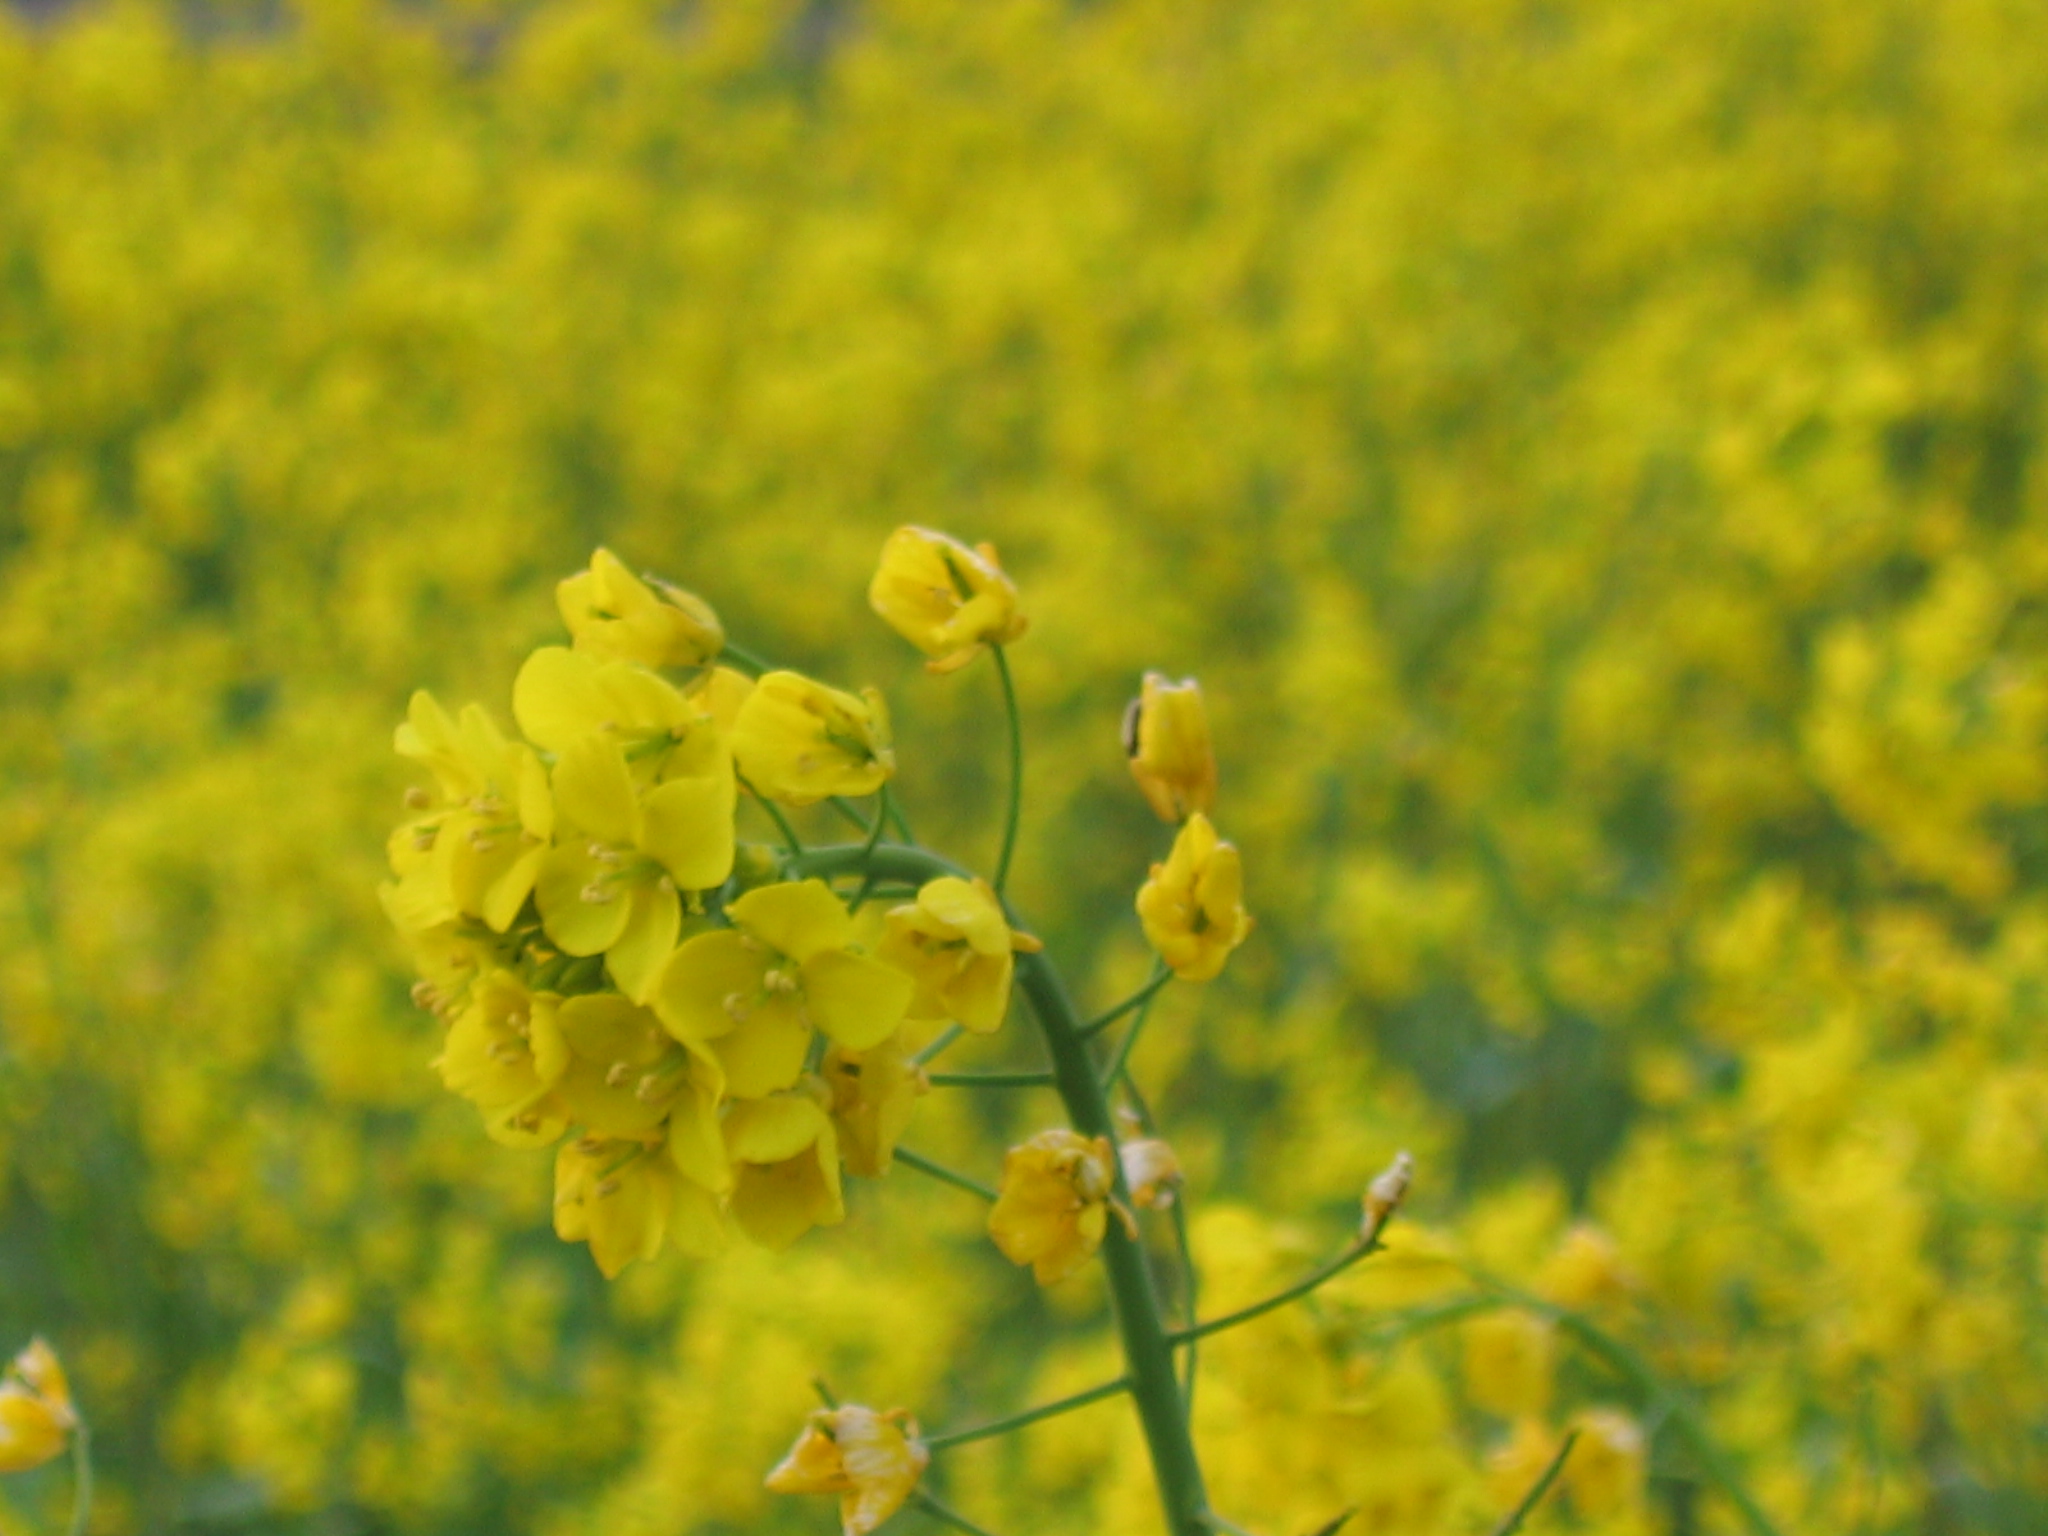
(955,943)
(800,742)
(944,598)
(613,613)
(1166,736)
(1192,908)
(756,990)
(504,1053)
(871,1460)
(785,1158)
(36,1416)
(1053,1206)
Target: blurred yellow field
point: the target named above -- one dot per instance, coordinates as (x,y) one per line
(1588,453)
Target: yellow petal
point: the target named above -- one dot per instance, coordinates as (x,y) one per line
(688,829)
(767,1051)
(635,959)
(858,1001)
(709,985)
(797,918)
(569,878)
(593,790)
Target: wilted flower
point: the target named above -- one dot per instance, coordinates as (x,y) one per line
(1151,1172)
(871,1460)
(1053,1206)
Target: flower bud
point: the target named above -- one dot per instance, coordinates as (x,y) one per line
(1383,1196)
(1166,735)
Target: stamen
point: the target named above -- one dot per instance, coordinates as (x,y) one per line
(616,1074)
(417,799)
(736,1008)
(596,895)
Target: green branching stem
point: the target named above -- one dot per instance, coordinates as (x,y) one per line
(990,1079)
(1366,1244)
(745,660)
(1160,977)
(81,1478)
(1534,1496)
(944,1174)
(1124,1047)
(789,838)
(867,879)
(941,1043)
(1016,806)
(1029,1416)
(1148,1354)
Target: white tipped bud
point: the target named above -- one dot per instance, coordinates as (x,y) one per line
(1384,1195)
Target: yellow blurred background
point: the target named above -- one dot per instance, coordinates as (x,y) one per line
(1590,451)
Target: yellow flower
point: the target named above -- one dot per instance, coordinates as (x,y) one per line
(800,742)
(871,1460)
(1507,1363)
(1053,1206)
(616,1195)
(1584,1270)
(873,1094)
(954,943)
(477,848)
(756,990)
(561,696)
(1166,735)
(611,886)
(613,613)
(1192,908)
(944,598)
(504,1053)
(625,1075)
(1604,1474)
(785,1158)
(1151,1172)
(36,1416)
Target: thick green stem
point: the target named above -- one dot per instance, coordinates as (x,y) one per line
(1148,1355)
(1016,805)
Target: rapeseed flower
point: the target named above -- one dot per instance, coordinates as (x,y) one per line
(1192,908)
(617,1195)
(873,1095)
(755,991)
(610,612)
(477,848)
(36,1415)
(785,1158)
(957,946)
(1053,1204)
(625,1075)
(871,1460)
(1166,737)
(944,598)
(505,1052)
(800,742)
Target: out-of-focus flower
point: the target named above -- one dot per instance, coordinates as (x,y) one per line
(873,1095)
(1507,1363)
(615,1194)
(800,742)
(611,612)
(1584,1270)
(944,598)
(785,1158)
(1604,1474)
(1053,1205)
(1166,736)
(1192,908)
(871,1460)
(36,1416)
(756,990)
(954,942)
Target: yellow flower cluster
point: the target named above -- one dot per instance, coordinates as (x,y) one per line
(36,1416)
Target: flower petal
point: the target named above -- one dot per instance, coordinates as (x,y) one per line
(798,918)
(688,829)
(856,1000)
(698,979)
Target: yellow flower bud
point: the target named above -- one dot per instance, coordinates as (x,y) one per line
(1053,1207)
(871,1460)
(1166,735)
(36,1416)
(1192,908)
(797,741)
(613,613)
(944,598)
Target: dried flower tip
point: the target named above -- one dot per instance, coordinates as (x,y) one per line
(1384,1195)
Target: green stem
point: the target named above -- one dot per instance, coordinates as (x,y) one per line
(1125,1046)
(1016,768)
(789,838)
(867,880)
(744,659)
(1294,1292)
(944,1174)
(1148,1355)
(1028,1416)
(81,1478)
(940,1044)
(945,1514)
(1190,1280)
(1160,977)
(1534,1496)
(990,1079)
